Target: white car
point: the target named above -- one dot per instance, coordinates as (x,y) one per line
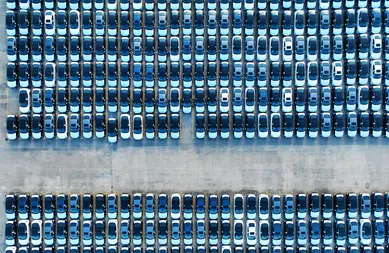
(50,23)
(224,100)
(375,46)
(287,45)
(251,232)
(362,103)
(287,99)
(337,73)
(376,72)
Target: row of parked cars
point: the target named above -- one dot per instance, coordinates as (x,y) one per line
(353,47)
(161,5)
(288,125)
(239,232)
(213,206)
(268,21)
(148,100)
(111,74)
(244,229)
(203,249)
(88,126)
(163,126)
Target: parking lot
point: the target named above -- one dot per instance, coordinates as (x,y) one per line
(188,164)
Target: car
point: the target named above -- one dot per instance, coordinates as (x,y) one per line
(36,232)
(188,206)
(353,229)
(175,233)
(187,23)
(36,23)
(287,100)
(379,232)
(62,100)
(137,206)
(188,233)
(289,207)
(112,231)
(327,232)
(175,126)
(376,20)
(100,206)
(11,232)
(199,74)
(263,127)
(137,126)
(100,232)
(299,22)
(50,24)
(338,99)
(49,126)
(11,49)
(35,206)
(251,232)
(302,232)
(224,126)
(49,206)
(338,49)
(23,232)
(24,100)
(49,232)
(61,206)
(125,126)
(62,126)
(238,128)
(199,22)
(112,100)
(362,20)
(87,204)
(376,72)
(327,205)
(363,98)
(275,123)
(24,127)
(99,23)
(274,51)
(238,232)
(340,233)
(365,205)
(287,46)
(24,49)
(365,231)
(87,233)
(315,232)
(340,206)
(250,125)
(12,76)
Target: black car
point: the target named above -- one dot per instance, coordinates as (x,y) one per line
(100,206)
(11,206)
(49,206)
(87,206)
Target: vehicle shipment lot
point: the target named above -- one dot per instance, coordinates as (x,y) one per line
(188,164)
